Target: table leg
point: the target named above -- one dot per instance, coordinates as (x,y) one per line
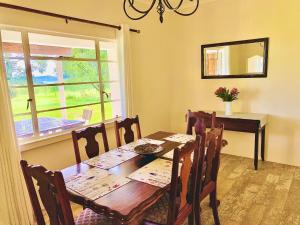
(256,149)
(263,134)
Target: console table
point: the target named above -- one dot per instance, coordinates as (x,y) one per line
(249,123)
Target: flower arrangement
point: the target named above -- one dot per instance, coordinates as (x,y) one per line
(226,95)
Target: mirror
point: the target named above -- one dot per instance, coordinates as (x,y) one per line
(239,59)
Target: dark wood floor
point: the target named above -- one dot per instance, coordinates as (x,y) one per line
(269,196)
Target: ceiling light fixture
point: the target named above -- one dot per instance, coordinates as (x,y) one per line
(161,7)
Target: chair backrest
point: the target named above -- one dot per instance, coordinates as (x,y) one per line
(52,192)
(200,121)
(185,183)
(210,161)
(126,124)
(92,146)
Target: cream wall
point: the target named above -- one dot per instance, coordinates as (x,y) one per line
(278,95)
(149,71)
(166,68)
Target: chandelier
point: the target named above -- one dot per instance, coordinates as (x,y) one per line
(161,7)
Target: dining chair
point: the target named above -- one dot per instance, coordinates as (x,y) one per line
(126,124)
(178,205)
(92,146)
(200,120)
(54,197)
(208,173)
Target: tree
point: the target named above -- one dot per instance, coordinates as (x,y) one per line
(39,65)
(81,71)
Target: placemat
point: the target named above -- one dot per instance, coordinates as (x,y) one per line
(157,173)
(132,145)
(180,138)
(111,159)
(87,174)
(96,183)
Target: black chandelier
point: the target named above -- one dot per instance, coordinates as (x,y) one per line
(161,7)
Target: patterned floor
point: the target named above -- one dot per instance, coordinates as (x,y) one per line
(269,196)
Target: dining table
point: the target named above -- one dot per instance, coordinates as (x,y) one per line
(128,203)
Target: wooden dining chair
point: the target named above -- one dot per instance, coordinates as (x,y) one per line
(127,124)
(208,173)
(174,208)
(54,197)
(92,146)
(200,120)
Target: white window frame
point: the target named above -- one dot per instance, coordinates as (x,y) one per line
(27,57)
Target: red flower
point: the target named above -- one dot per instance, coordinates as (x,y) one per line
(226,95)
(220,90)
(234,92)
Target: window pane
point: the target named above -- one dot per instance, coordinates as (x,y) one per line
(110,71)
(50,71)
(113,109)
(19,97)
(23,126)
(12,43)
(113,91)
(13,54)
(59,120)
(55,46)
(108,51)
(15,71)
(50,97)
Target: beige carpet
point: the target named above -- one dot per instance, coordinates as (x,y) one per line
(269,196)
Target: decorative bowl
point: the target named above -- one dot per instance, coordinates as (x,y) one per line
(148,149)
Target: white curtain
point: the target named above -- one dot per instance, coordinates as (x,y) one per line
(15,208)
(124,48)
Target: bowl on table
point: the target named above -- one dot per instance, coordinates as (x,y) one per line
(148,149)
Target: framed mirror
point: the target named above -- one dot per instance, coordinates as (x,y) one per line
(237,59)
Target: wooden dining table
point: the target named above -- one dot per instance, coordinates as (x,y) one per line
(128,203)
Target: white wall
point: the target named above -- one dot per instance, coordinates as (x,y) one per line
(277,95)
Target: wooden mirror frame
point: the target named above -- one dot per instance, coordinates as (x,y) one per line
(265,69)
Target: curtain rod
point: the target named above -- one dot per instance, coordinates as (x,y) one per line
(45,13)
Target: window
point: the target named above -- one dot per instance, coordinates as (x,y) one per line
(58,83)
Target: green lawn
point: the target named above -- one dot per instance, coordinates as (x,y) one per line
(49,97)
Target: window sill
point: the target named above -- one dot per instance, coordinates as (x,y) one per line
(26,145)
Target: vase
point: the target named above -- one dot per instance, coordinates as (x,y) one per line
(228,109)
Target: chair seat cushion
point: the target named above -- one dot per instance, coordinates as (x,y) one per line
(89,217)
(158,213)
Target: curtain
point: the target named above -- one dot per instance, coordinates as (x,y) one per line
(15,208)
(124,50)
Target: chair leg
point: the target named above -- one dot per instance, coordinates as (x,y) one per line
(218,203)
(214,206)
(212,200)
(191,219)
(197,213)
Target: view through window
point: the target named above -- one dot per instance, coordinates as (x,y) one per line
(58,83)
